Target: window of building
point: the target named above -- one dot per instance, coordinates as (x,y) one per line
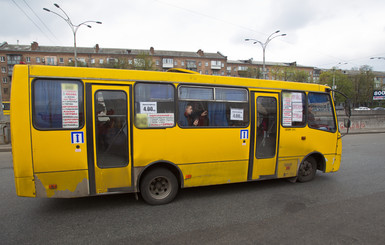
(112,60)
(37,59)
(168,61)
(3,69)
(5,80)
(199,63)
(57,104)
(157,62)
(70,60)
(207,64)
(6,90)
(182,63)
(2,58)
(320,112)
(191,64)
(176,63)
(61,60)
(50,60)
(212,107)
(293,109)
(28,59)
(101,61)
(92,61)
(154,105)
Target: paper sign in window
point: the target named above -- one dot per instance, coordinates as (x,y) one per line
(287,110)
(297,111)
(148,107)
(161,120)
(70,105)
(236,114)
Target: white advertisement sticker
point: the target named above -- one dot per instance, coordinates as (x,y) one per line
(161,120)
(148,107)
(236,114)
(70,105)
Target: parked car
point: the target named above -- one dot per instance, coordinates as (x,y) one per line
(379,109)
(362,108)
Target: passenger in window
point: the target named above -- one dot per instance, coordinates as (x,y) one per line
(188,119)
(311,118)
(202,115)
(194,119)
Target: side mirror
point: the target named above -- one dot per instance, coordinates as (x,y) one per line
(347,123)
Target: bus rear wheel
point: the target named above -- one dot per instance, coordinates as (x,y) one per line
(159,186)
(307,170)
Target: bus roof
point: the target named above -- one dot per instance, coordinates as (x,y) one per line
(175,76)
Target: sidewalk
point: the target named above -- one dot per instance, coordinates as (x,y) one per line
(6,148)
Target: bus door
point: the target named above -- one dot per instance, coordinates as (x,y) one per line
(265,126)
(110,154)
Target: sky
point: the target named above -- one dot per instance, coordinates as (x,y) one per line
(323,34)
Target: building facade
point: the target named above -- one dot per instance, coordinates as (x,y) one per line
(160,60)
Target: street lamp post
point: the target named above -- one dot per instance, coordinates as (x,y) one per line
(271,37)
(73,27)
(380,58)
(334,75)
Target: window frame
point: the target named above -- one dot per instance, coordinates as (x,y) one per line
(332,108)
(247,102)
(281,105)
(81,105)
(127,116)
(174,103)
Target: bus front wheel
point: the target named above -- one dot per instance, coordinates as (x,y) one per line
(307,170)
(159,186)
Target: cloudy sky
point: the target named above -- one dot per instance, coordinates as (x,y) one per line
(323,33)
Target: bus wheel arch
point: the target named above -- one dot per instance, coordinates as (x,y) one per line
(309,166)
(159,183)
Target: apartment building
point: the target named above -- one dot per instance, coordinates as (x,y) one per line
(11,54)
(161,60)
(274,70)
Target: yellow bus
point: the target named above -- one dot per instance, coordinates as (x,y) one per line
(87,131)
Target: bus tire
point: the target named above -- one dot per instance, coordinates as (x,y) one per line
(159,186)
(307,170)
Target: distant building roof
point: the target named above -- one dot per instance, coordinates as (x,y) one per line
(34,47)
(260,63)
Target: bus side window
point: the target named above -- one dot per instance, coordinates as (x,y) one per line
(154,105)
(213,107)
(57,104)
(293,109)
(320,112)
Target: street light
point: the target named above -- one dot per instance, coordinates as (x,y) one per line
(380,58)
(74,28)
(271,37)
(334,75)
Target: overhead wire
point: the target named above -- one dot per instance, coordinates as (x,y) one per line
(36,25)
(250,29)
(37,16)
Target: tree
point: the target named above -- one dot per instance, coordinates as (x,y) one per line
(251,73)
(363,85)
(143,62)
(342,82)
(289,74)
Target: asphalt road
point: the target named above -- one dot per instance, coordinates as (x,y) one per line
(347,207)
